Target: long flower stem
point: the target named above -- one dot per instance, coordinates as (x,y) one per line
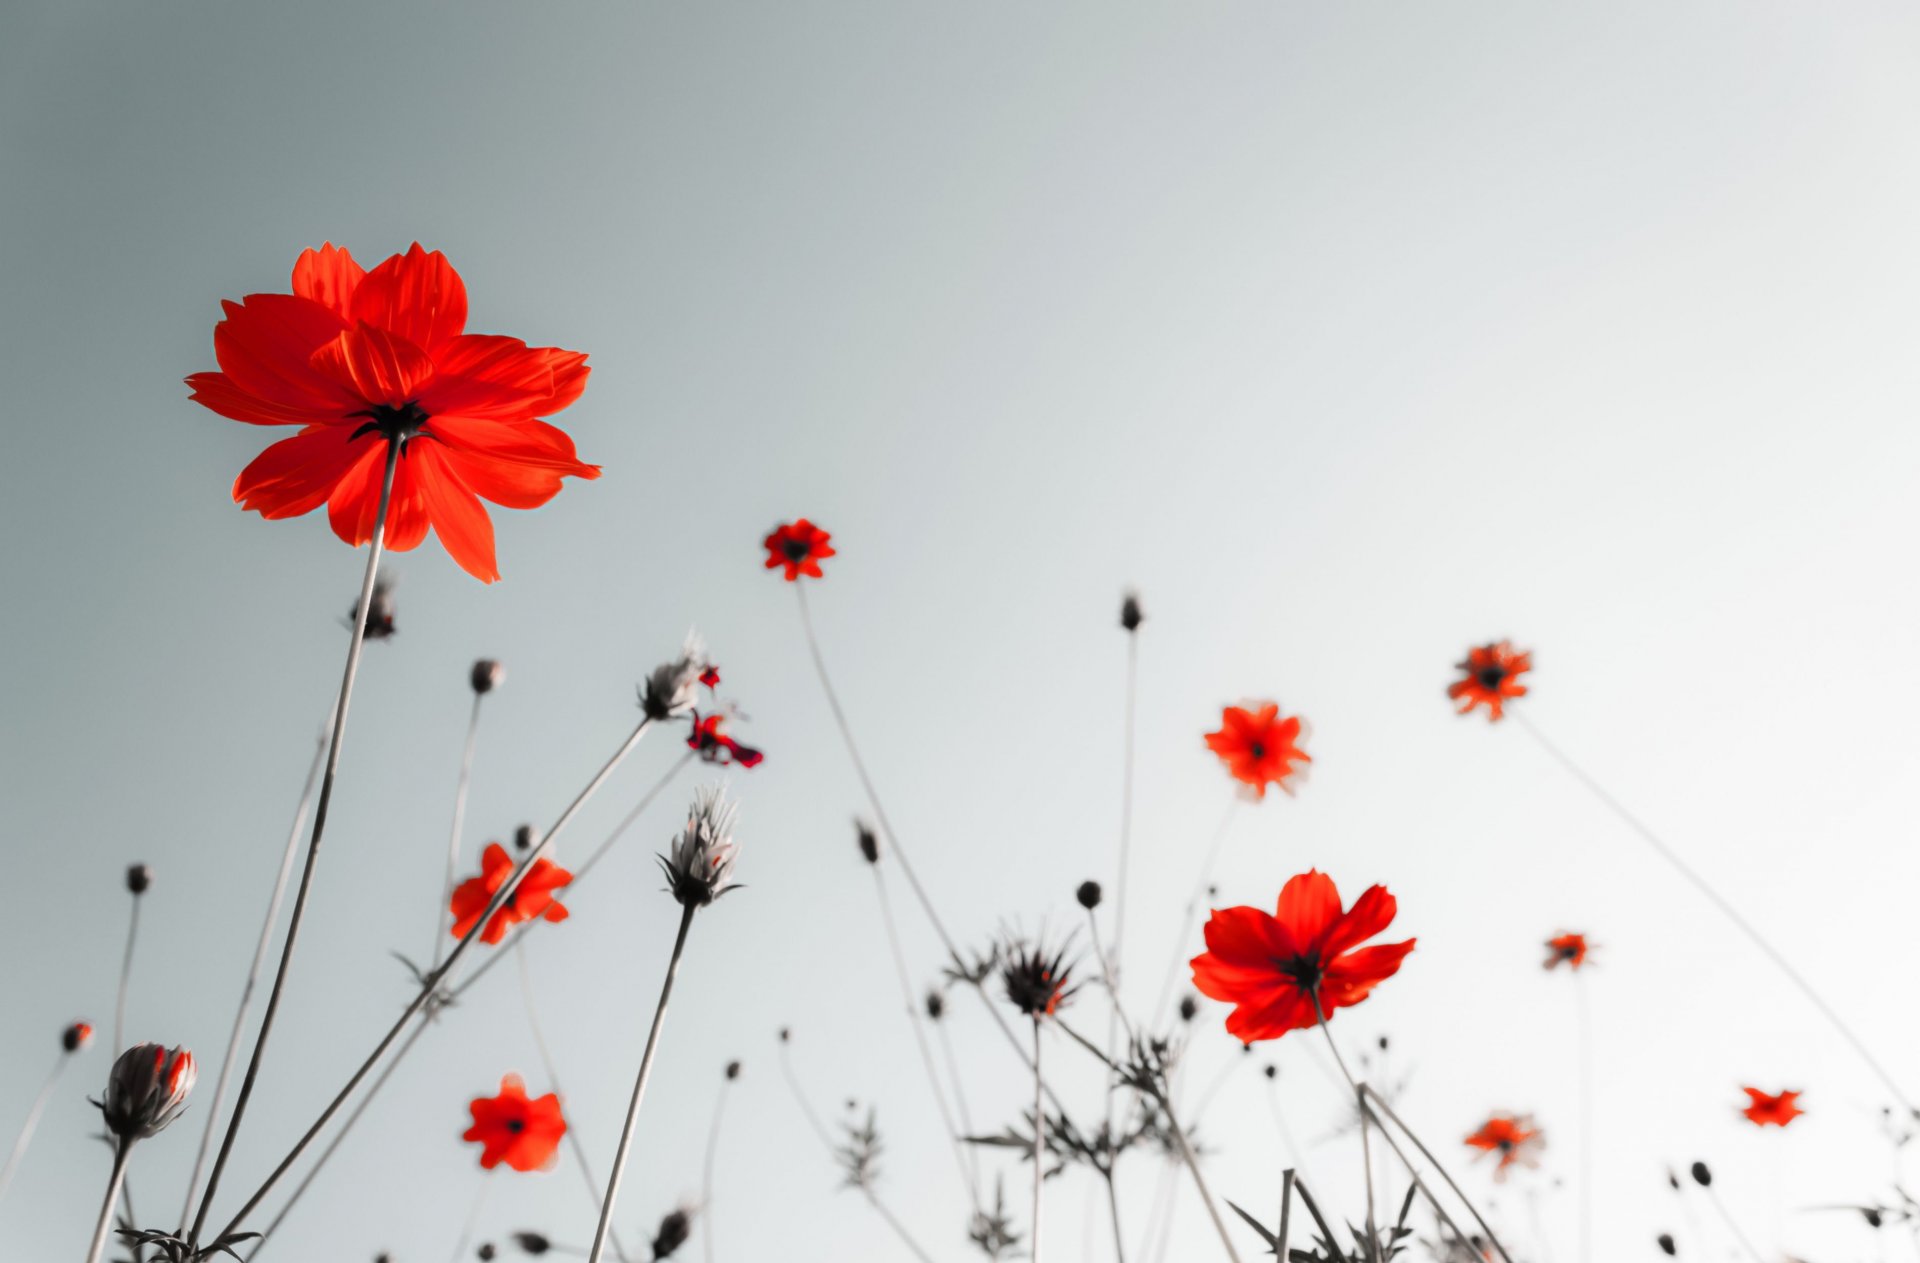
(1584,1034)
(120,1151)
(126,977)
(1366,1108)
(260,949)
(899,1229)
(640,1087)
(1360,1103)
(959,1098)
(1192,910)
(335,738)
(430,985)
(1039,1139)
(32,1122)
(473,1218)
(1375,1100)
(1733,1226)
(1720,901)
(706,1167)
(445,917)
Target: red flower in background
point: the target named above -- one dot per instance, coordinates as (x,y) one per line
(715,746)
(1273,969)
(1260,748)
(525,1134)
(1511,1136)
(76,1036)
(1778,1109)
(1492,677)
(1567,949)
(533,897)
(360,360)
(800,546)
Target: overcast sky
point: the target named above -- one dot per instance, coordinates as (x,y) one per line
(1352,334)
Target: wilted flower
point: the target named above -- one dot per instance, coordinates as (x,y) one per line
(487,675)
(711,676)
(1035,981)
(510,1128)
(1088,894)
(869,841)
(1130,615)
(381,610)
(1777,1108)
(700,866)
(139,878)
(675,1227)
(1511,1136)
(714,746)
(1491,677)
(76,1036)
(146,1089)
(1568,949)
(800,546)
(673,687)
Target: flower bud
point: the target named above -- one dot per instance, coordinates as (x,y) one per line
(381,610)
(139,877)
(869,841)
(1130,615)
(532,1242)
(675,1228)
(733,1070)
(936,1006)
(700,867)
(525,838)
(1088,895)
(1189,1008)
(1665,1242)
(76,1037)
(487,675)
(485,1253)
(1702,1176)
(146,1089)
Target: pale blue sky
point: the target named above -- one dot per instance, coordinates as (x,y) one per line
(1351,333)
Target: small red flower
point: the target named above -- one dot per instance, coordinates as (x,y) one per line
(533,897)
(1260,748)
(715,746)
(1779,1109)
(359,360)
(1273,969)
(711,677)
(800,546)
(1492,677)
(1568,949)
(525,1134)
(1513,1137)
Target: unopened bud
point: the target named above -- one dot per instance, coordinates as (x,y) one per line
(1088,895)
(139,877)
(525,838)
(733,1070)
(1130,615)
(869,841)
(487,675)
(1665,1242)
(532,1242)
(1189,1008)
(146,1089)
(936,1006)
(1702,1176)
(76,1037)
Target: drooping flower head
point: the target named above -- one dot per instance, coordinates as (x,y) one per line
(715,746)
(1491,678)
(1777,1108)
(1037,981)
(800,546)
(1567,949)
(1274,968)
(76,1036)
(363,360)
(699,867)
(146,1090)
(525,1134)
(1260,748)
(533,897)
(1513,1138)
(674,686)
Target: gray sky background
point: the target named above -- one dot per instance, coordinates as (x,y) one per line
(1351,333)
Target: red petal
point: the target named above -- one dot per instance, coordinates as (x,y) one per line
(483,375)
(1247,936)
(266,345)
(328,276)
(1309,906)
(1371,913)
(1350,979)
(526,442)
(295,475)
(1289,1011)
(416,295)
(458,516)
(355,501)
(375,365)
(218,392)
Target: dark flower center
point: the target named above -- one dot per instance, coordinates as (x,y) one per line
(516,1126)
(1304,970)
(1492,676)
(1506,1146)
(796,549)
(395,424)
(1258,749)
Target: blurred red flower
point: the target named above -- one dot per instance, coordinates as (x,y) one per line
(355,357)
(1779,1109)
(525,1134)
(1567,949)
(1273,969)
(1492,677)
(715,746)
(800,546)
(533,897)
(1260,748)
(1511,1136)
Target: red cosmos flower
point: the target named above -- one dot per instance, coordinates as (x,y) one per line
(1778,1109)
(1513,1137)
(715,746)
(533,897)
(800,546)
(711,677)
(1259,748)
(525,1134)
(1492,677)
(1273,969)
(354,358)
(1567,949)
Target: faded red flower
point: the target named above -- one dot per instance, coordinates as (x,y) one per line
(1567,949)
(714,746)
(1513,1138)
(1492,677)
(1260,748)
(533,897)
(800,546)
(1779,1108)
(523,1133)
(1284,972)
(360,360)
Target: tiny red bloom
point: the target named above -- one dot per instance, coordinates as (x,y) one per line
(715,746)
(1260,748)
(800,546)
(711,676)
(362,359)
(1568,949)
(1779,1109)
(1492,677)
(533,897)
(525,1134)
(1513,1137)
(1273,969)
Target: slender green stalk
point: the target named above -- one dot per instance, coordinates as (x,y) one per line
(1584,1033)
(1360,1103)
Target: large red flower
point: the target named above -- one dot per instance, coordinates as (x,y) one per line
(1778,1108)
(1491,677)
(362,359)
(1272,969)
(533,897)
(525,1134)
(1513,1137)
(800,546)
(1260,748)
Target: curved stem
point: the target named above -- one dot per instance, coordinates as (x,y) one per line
(120,1151)
(441,922)
(32,1122)
(640,1088)
(126,978)
(335,738)
(706,1167)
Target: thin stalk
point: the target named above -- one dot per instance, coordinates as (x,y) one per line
(126,977)
(260,949)
(706,1167)
(1286,1215)
(334,741)
(28,1127)
(1414,1172)
(1360,1101)
(444,918)
(1584,1032)
(1713,896)
(1733,1225)
(1126,802)
(473,1218)
(1326,1233)
(1375,1099)
(640,1087)
(120,1151)
(1113,1210)
(1192,910)
(959,1097)
(430,985)
(1039,1139)
(899,1229)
